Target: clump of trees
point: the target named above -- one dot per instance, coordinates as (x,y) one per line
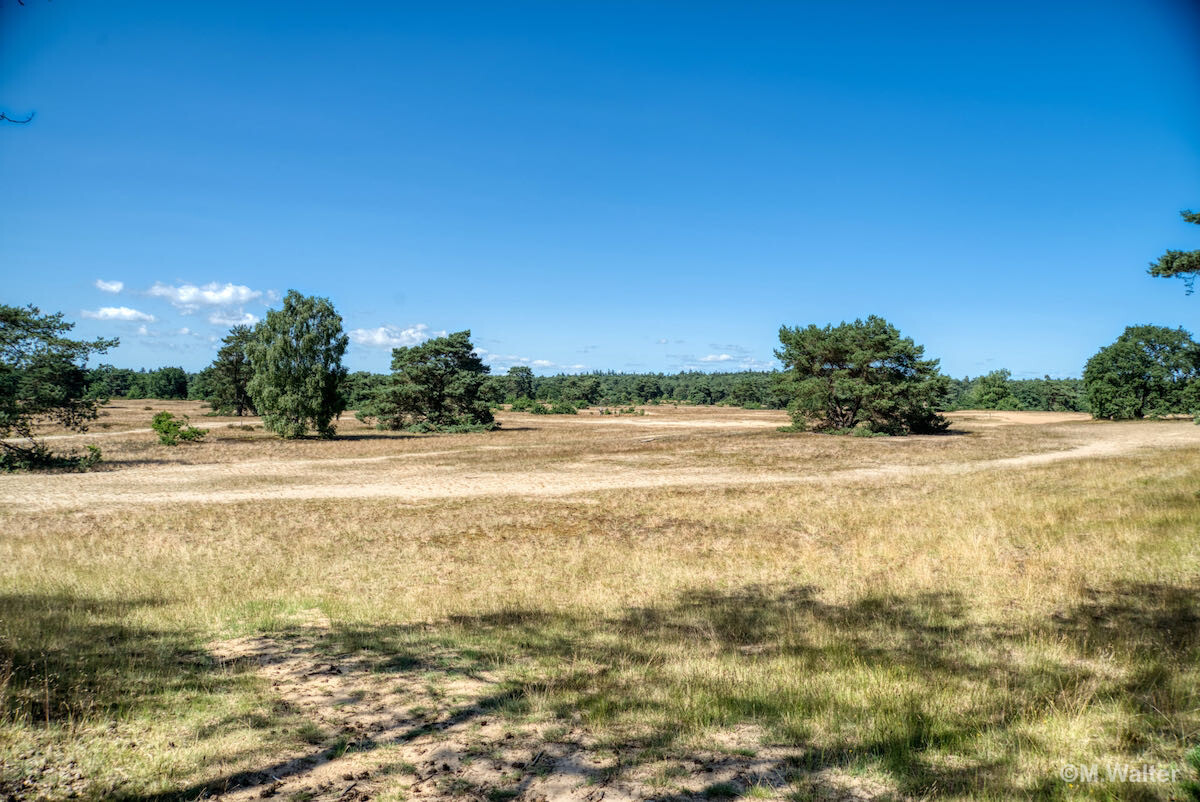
(998,390)
(362,386)
(861,376)
(554,408)
(994,391)
(166,383)
(520,382)
(752,389)
(435,387)
(43,378)
(296,360)
(748,389)
(1149,372)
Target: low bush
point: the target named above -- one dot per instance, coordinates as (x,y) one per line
(425,427)
(172,430)
(40,458)
(556,408)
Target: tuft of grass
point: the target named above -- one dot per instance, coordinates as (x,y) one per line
(310,733)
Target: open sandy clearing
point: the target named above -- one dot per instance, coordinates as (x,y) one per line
(423,475)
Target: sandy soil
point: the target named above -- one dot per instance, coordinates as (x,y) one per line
(450,747)
(977,418)
(442,473)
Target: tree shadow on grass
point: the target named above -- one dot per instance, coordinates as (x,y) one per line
(595,671)
(357,436)
(72,658)
(73,666)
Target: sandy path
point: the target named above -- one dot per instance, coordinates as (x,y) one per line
(405,477)
(649,420)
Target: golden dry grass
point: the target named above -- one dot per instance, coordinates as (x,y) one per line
(667,606)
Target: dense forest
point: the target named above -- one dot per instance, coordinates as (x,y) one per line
(749,389)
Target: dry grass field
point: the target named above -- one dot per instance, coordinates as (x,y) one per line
(683,604)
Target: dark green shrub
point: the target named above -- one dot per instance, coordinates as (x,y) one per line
(171,430)
(40,458)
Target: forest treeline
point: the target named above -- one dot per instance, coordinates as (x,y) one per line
(748,389)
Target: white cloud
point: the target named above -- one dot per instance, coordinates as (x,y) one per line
(117,313)
(393,336)
(662,340)
(505,361)
(716,358)
(190,297)
(109,286)
(238,318)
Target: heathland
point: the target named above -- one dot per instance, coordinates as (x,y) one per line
(671,603)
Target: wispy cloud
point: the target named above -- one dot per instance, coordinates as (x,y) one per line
(729,357)
(109,286)
(117,313)
(228,318)
(183,339)
(505,361)
(393,336)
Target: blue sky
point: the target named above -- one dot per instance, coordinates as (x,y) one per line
(611,185)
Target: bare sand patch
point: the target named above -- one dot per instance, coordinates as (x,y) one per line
(993,417)
(585,461)
(377,730)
